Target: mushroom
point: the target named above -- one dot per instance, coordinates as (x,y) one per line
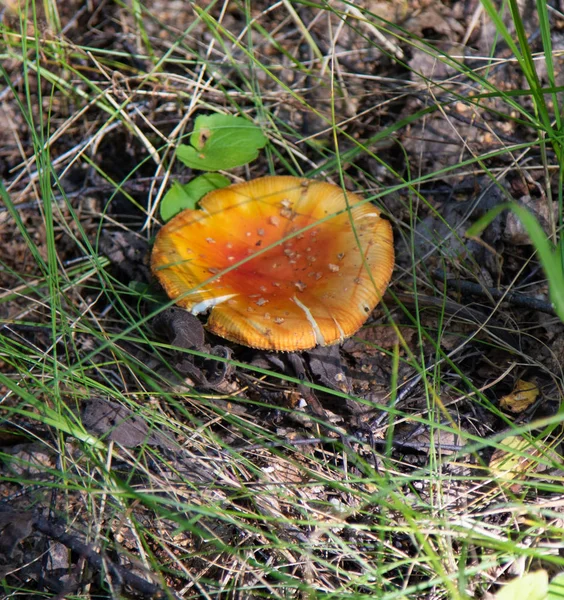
(281,263)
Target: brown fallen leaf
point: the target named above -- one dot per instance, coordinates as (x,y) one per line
(523,395)
(521,458)
(513,460)
(112,421)
(14,527)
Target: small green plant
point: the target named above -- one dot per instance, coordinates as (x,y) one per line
(218,142)
(533,586)
(181,196)
(221,142)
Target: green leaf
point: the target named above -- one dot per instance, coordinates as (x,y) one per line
(175,200)
(556,588)
(549,258)
(532,586)
(221,142)
(188,195)
(138,287)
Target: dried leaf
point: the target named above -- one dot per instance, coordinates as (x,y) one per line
(520,457)
(523,395)
(117,423)
(15,526)
(325,364)
(509,463)
(183,329)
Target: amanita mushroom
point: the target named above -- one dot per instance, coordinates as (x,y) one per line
(281,263)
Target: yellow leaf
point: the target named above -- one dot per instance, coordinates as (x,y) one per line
(532,586)
(511,461)
(523,395)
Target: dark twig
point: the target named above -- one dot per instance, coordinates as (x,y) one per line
(57,531)
(352,439)
(513,298)
(450,307)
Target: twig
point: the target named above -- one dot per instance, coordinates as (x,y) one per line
(352,439)
(513,298)
(57,531)
(493,328)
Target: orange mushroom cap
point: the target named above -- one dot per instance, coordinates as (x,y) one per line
(315,284)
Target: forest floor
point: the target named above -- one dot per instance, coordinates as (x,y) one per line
(421,457)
